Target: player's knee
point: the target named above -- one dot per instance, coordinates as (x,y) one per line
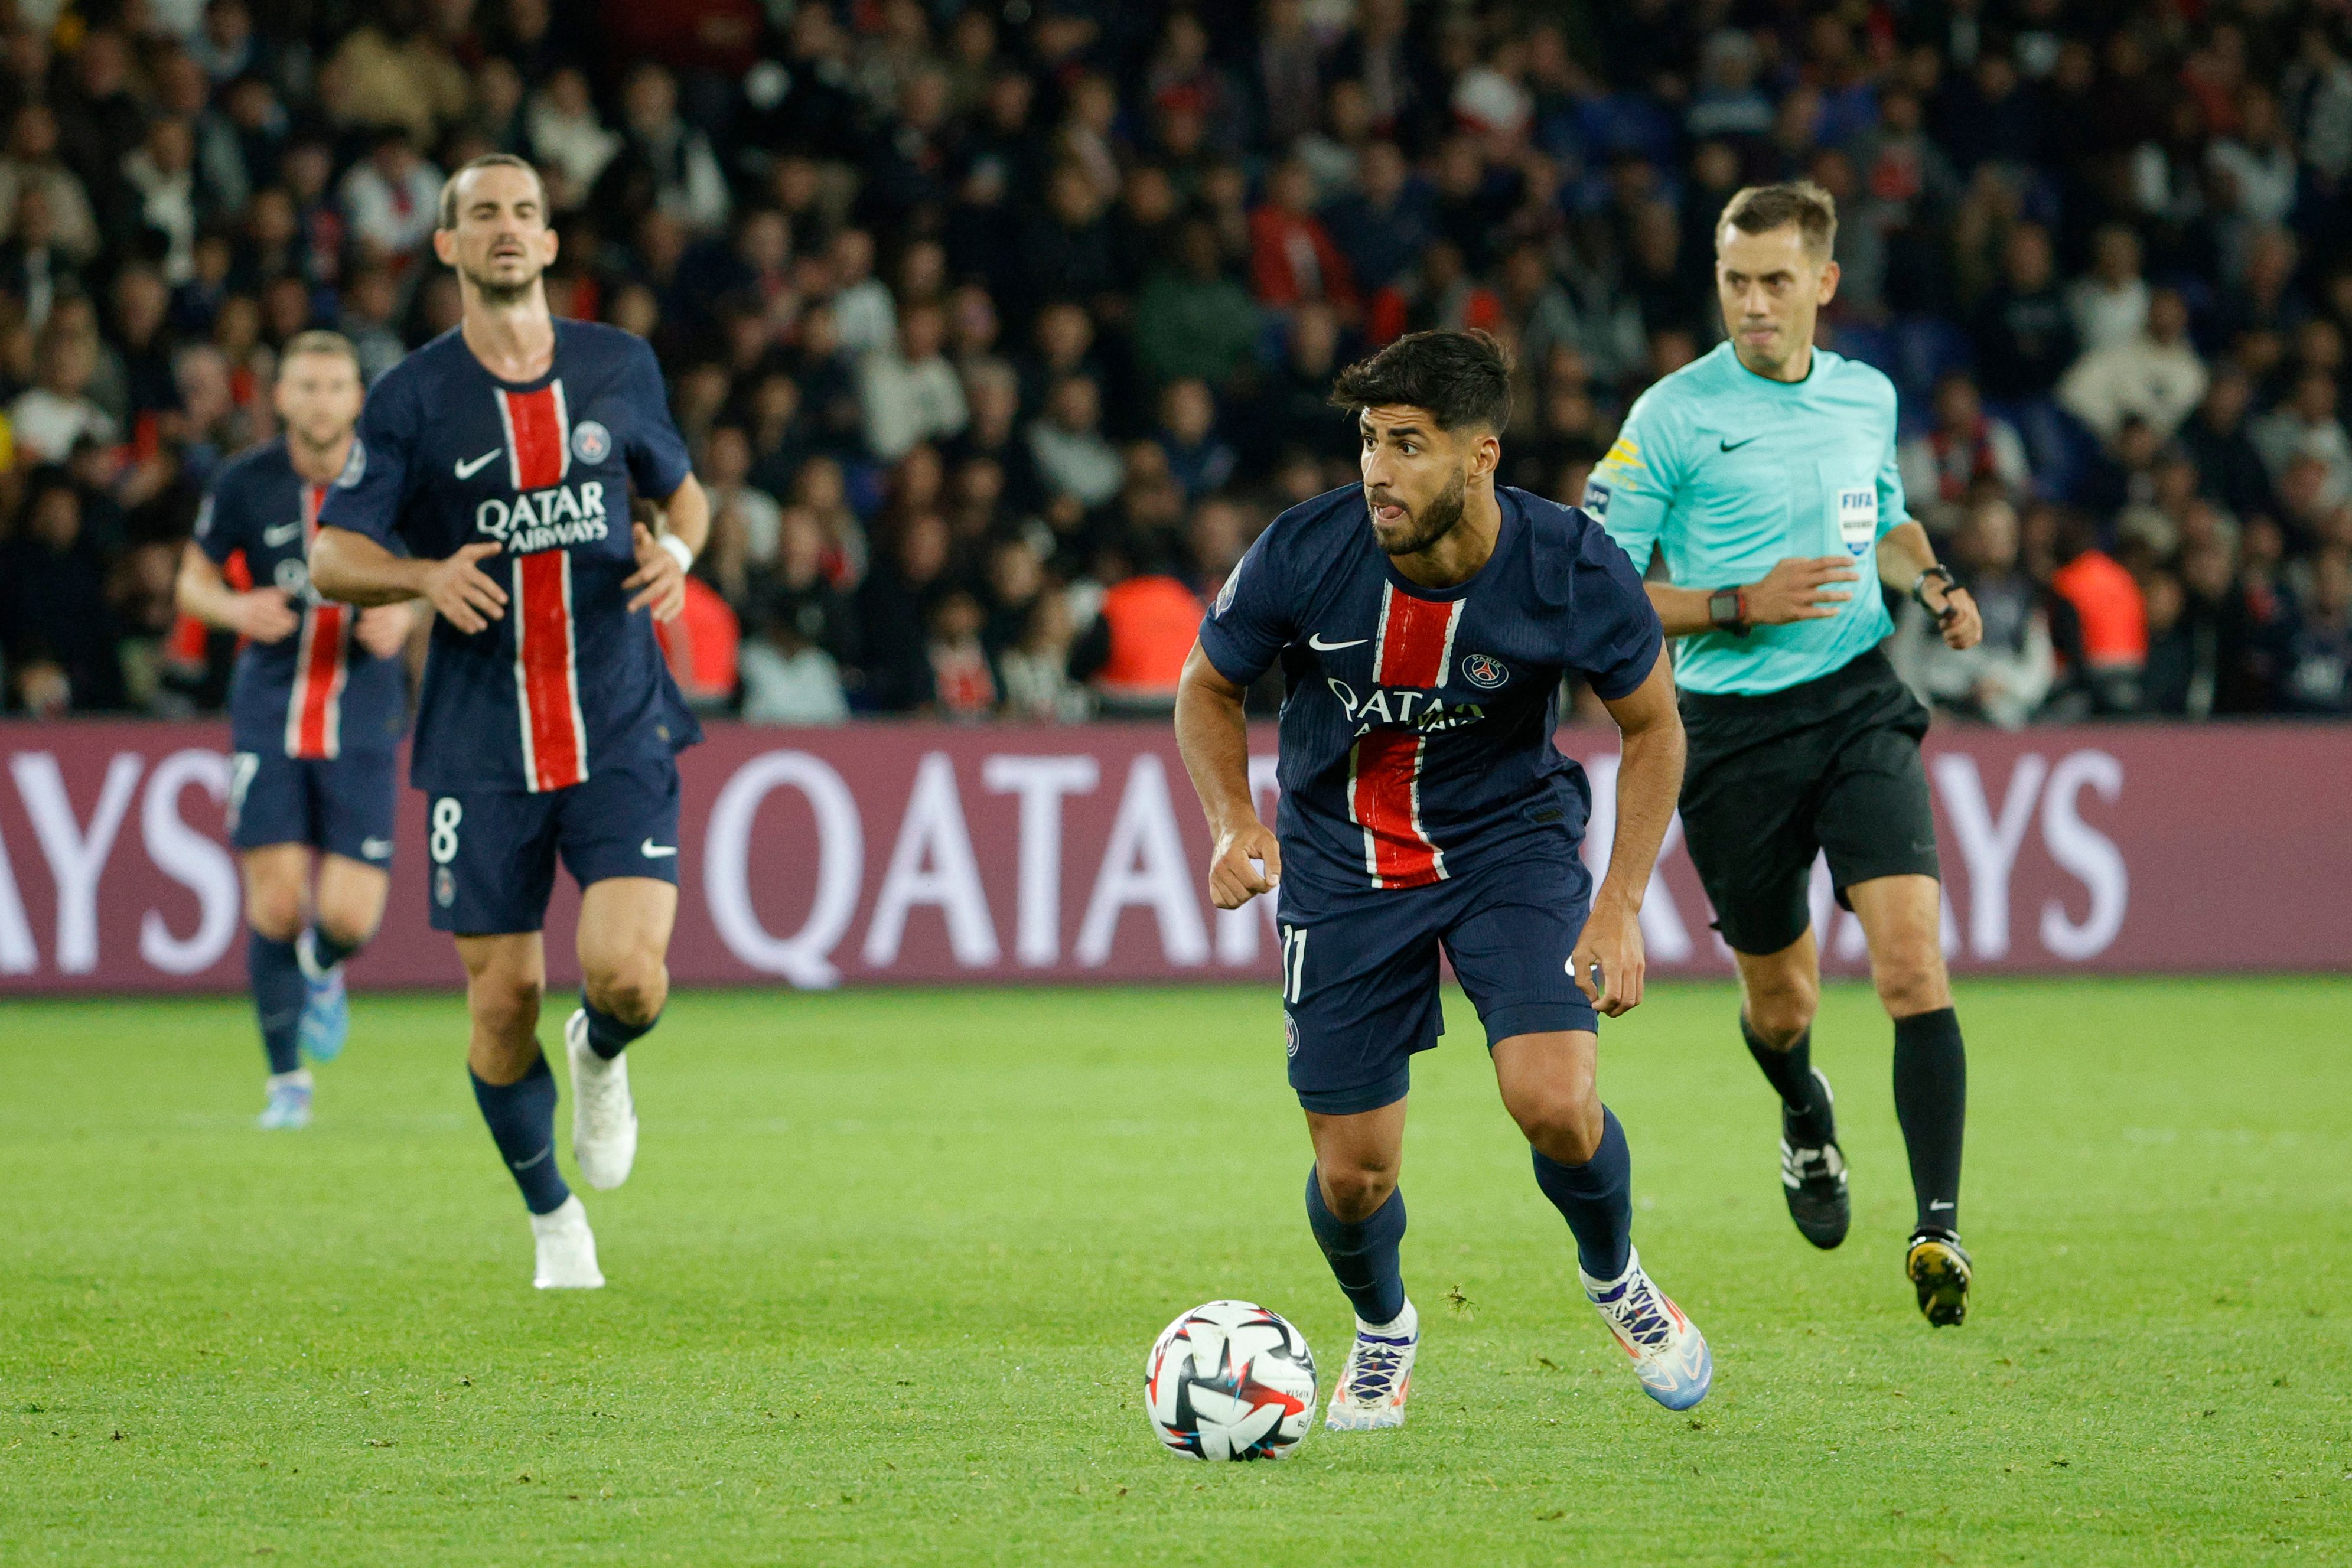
(1355,1191)
(275,913)
(1781,1014)
(1564,1121)
(505,1008)
(632,991)
(1912,981)
(347,926)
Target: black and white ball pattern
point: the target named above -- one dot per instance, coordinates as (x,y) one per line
(1230,1380)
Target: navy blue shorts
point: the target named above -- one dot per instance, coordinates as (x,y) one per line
(1361,980)
(492,852)
(344,806)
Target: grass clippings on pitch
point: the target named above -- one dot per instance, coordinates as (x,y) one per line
(883,1283)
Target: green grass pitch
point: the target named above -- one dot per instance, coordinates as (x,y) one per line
(882,1285)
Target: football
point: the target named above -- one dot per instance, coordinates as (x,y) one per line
(1230,1380)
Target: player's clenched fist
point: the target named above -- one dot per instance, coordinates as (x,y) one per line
(1610,940)
(262,615)
(1801,588)
(1248,862)
(658,575)
(463,594)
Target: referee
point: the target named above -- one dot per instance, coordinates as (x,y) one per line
(1766,473)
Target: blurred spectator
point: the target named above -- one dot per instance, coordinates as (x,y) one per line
(1966,447)
(1067,446)
(2154,375)
(57,410)
(1197,459)
(567,139)
(2111,304)
(2319,650)
(2305,427)
(32,163)
(2230,466)
(1192,319)
(392,198)
(57,630)
(2109,606)
(1292,259)
(2024,332)
(908,390)
(2005,677)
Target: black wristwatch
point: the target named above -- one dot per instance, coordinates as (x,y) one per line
(1727,608)
(1942,574)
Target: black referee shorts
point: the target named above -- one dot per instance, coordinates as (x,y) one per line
(1832,764)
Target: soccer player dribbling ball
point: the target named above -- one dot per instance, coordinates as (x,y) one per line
(1766,473)
(1423,621)
(502,455)
(315,710)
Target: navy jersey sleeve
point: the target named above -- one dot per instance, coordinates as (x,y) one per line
(658,462)
(368,495)
(220,521)
(1248,627)
(1614,633)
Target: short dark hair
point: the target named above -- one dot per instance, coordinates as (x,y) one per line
(489,160)
(1760,209)
(1461,378)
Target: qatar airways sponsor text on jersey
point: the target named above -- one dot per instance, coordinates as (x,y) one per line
(1416,722)
(567,679)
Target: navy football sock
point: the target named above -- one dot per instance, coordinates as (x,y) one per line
(326,952)
(1363,1256)
(522,1117)
(277,995)
(608,1036)
(1791,1074)
(1596,1198)
(1931,1101)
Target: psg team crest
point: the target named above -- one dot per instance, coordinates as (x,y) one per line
(590,442)
(1484,671)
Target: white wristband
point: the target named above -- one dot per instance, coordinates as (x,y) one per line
(678,552)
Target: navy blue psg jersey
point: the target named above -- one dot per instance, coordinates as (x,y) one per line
(1417,722)
(315,695)
(567,680)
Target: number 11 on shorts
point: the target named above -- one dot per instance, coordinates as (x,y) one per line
(1293,963)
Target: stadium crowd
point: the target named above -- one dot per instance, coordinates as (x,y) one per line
(998,330)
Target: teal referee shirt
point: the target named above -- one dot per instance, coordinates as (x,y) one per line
(1729,472)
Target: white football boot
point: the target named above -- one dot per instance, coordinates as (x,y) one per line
(1670,1355)
(1378,1374)
(604,1116)
(567,1249)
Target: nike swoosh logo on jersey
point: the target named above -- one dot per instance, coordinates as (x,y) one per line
(283,534)
(1316,642)
(466,470)
(1735,446)
(652,851)
(376,849)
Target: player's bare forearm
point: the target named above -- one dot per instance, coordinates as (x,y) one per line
(1904,552)
(686,515)
(261,615)
(1212,736)
(353,568)
(1682,610)
(1649,784)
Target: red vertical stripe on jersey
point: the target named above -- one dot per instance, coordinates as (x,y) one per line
(1416,639)
(536,437)
(547,674)
(314,716)
(1384,798)
(1416,644)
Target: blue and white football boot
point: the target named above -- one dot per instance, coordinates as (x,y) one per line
(326,1011)
(1378,1374)
(1670,1355)
(290,1102)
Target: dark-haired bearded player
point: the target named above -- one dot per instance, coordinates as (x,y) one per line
(502,454)
(1423,621)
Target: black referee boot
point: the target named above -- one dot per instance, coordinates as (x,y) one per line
(1813,1171)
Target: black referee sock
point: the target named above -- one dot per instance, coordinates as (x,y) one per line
(1931,1101)
(1791,1073)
